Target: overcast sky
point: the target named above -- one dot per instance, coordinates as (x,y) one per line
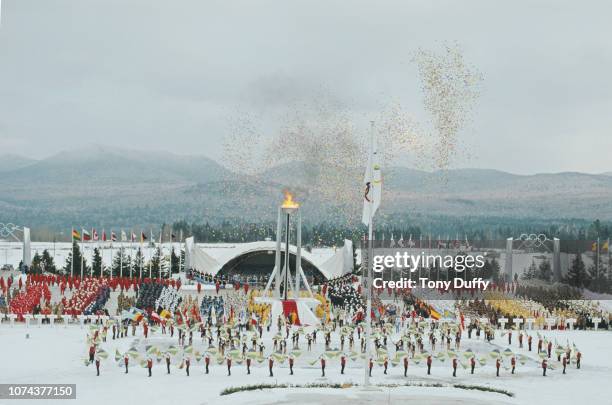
(172,75)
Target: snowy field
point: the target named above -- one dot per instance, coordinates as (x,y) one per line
(55,355)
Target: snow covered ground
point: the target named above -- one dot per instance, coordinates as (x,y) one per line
(55,355)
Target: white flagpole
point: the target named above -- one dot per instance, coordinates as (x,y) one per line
(72,248)
(150,256)
(180,255)
(121,253)
(368,330)
(141,254)
(111,255)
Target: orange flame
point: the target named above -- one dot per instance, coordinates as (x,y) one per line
(288,202)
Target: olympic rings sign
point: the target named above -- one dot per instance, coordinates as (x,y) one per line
(533,240)
(8,229)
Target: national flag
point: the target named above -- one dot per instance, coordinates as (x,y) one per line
(594,247)
(103,235)
(123,236)
(133,237)
(113,236)
(143,237)
(172,236)
(86,235)
(606,246)
(76,235)
(372,183)
(95,234)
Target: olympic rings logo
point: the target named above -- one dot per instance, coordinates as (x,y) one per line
(533,240)
(8,229)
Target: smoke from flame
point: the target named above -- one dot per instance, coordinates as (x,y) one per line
(288,202)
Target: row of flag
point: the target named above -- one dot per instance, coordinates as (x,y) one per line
(92,236)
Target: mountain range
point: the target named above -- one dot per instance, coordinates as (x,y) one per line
(105,186)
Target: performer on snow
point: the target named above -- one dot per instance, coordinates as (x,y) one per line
(429,364)
(149,365)
(472,363)
(513,363)
(544,367)
(405,366)
(92,353)
(187,364)
(564,363)
(248,364)
(270,365)
(497,366)
(291,360)
(126,360)
(342,363)
(168,362)
(98,366)
(578,357)
(322,366)
(386,364)
(229,365)
(207,361)
(370,366)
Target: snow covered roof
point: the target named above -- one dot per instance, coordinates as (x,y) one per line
(211,257)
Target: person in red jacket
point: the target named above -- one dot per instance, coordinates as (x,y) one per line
(544,367)
(270,365)
(207,362)
(549,349)
(342,363)
(322,366)
(564,363)
(429,364)
(97,366)
(126,360)
(291,360)
(405,366)
(92,353)
(513,363)
(497,366)
(199,287)
(149,365)
(229,365)
(454,367)
(529,339)
(473,363)
(386,364)
(145,329)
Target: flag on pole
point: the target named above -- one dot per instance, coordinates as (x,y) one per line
(86,235)
(95,234)
(76,235)
(123,236)
(103,235)
(133,237)
(372,183)
(606,246)
(143,237)
(113,236)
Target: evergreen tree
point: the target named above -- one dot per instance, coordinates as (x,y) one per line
(78,259)
(577,275)
(121,259)
(47,262)
(174,261)
(545,271)
(495,270)
(35,266)
(155,263)
(138,264)
(531,271)
(96,263)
